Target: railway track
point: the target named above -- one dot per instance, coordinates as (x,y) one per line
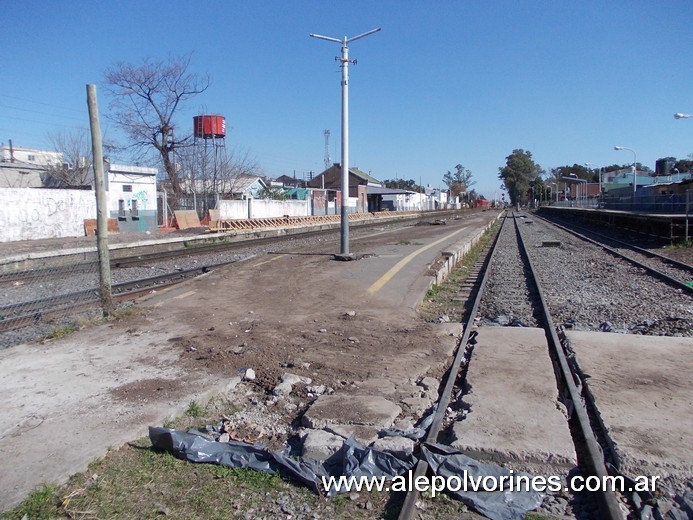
(510,277)
(24,314)
(678,274)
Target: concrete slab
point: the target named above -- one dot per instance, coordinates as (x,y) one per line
(364,434)
(367,410)
(643,389)
(320,445)
(514,412)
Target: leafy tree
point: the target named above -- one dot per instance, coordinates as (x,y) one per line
(684,165)
(401,184)
(680,165)
(577,170)
(145,98)
(271,193)
(458,181)
(518,172)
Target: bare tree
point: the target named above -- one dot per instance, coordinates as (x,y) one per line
(209,170)
(146,97)
(76,167)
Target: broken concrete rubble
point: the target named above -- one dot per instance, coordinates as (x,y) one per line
(319,444)
(285,387)
(365,410)
(398,446)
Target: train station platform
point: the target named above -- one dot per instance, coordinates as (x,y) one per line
(166,239)
(664,226)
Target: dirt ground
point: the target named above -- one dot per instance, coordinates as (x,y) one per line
(300,313)
(307,315)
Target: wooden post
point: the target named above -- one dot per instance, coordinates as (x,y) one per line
(101,204)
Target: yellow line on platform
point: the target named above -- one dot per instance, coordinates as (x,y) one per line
(399,265)
(184,295)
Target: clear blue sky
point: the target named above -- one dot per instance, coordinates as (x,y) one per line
(443,83)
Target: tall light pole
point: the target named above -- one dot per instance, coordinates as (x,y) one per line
(635,175)
(679,115)
(345,129)
(600,178)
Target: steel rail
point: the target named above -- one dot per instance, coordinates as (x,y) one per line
(409,505)
(679,284)
(36,310)
(608,502)
(641,250)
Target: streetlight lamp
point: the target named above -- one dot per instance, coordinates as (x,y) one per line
(600,179)
(679,115)
(345,129)
(635,174)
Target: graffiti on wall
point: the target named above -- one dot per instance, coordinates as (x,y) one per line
(141,198)
(29,213)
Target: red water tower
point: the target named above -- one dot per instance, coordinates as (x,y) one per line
(209,127)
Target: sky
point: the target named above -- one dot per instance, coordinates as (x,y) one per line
(443,83)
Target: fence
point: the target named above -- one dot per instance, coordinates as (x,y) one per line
(672,203)
(43,297)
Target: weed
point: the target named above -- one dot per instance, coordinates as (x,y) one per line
(433,292)
(681,244)
(194,410)
(61,331)
(40,503)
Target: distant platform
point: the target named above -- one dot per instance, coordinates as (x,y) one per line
(667,226)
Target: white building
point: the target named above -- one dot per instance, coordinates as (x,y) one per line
(132,197)
(31,156)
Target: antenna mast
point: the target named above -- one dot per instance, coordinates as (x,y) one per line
(328,160)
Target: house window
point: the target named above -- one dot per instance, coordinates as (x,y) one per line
(121,210)
(127,188)
(134,212)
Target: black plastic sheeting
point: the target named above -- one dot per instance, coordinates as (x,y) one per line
(497,505)
(352,460)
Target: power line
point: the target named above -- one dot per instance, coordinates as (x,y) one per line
(44,113)
(42,103)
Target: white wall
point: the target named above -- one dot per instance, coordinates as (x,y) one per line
(143,190)
(260,208)
(28,214)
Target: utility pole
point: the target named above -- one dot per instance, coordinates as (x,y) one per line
(101,204)
(344,60)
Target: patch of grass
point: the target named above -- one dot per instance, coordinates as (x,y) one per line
(681,244)
(195,410)
(433,292)
(41,503)
(61,331)
(439,298)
